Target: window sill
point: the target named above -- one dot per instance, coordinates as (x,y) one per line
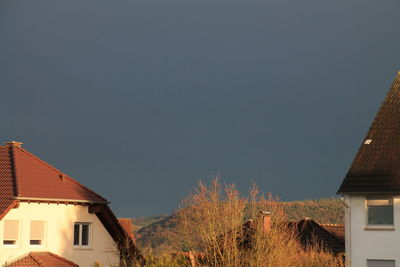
(82,248)
(379,228)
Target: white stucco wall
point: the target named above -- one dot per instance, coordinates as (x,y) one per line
(59,234)
(364,242)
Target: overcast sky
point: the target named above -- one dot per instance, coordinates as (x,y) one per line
(140,99)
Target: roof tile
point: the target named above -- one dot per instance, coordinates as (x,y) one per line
(43,259)
(37,179)
(25,175)
(7,182)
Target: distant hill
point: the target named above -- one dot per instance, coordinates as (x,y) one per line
(154,231)
(144,221)
(326,210)
(157,234)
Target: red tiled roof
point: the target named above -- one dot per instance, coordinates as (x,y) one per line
(37,179)
(42,259)
(7,186)
(23,175)
(127,225)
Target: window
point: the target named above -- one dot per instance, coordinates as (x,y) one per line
(380,211)
(11,233)
(37,233)
(82,234)
(380,263)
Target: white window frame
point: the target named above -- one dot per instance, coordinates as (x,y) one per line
(42,245)
(16,244)
(80,246)
(379,226)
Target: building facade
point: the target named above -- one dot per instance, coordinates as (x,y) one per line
(47,215)
(371,191)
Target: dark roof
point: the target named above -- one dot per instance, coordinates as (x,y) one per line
(309,232)
(42,259)
(335,229)
(376,167)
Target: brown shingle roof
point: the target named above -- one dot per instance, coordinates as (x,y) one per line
(42,259)
(308,231)
(335,229)
(376,167)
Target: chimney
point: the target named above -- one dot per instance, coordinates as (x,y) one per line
(13,143)
(266,221)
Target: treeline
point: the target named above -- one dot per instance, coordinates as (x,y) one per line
(155,232)
(326,210)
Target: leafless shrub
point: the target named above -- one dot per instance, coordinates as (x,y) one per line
(211,223)
(218,227)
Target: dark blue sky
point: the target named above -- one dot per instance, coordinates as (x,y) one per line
(139,100)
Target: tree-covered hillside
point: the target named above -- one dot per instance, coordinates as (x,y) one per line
(327,210)
(155,231)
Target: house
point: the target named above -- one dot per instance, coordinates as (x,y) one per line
(327,237)
(307,231)
(371,191)
(49,219)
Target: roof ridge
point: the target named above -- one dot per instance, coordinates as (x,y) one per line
(58,171)
(37,158)
(37,259)
(12,156)
(60,258)
(332,224)
(8,191)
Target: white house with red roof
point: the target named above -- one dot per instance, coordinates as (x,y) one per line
(48,217)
